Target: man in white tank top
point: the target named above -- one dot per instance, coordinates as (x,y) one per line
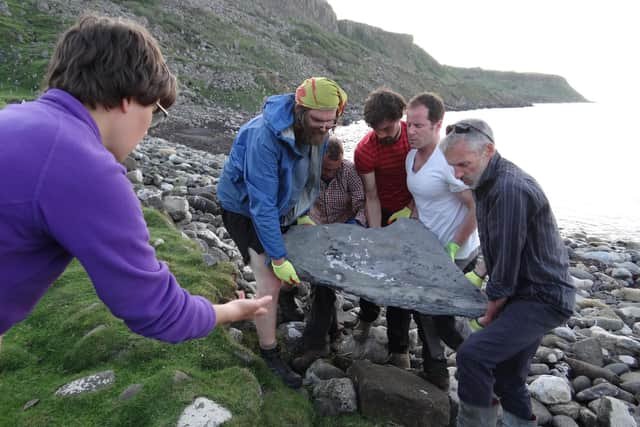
(445,206)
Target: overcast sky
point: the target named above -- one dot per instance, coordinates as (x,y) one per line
(595,45)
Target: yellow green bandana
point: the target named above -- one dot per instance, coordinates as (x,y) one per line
(321,93)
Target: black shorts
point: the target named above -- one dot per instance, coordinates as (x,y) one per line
(242,232)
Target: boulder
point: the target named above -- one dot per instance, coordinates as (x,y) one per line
(602,390)
(591,371)
(395,394)
(614,413)
(563,421)
(335,396)
(589,350)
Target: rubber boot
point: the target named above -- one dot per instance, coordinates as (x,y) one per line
(510,420)
(475,416)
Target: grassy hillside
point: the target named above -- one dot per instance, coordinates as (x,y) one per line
(50,348)
(28,37)
(232,53)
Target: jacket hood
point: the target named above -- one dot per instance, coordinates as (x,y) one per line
(277,113)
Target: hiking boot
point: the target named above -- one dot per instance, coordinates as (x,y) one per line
(361,331)
(401,360)
(301,364)
(436,372)
(440,380)
(274,362)
(289,309)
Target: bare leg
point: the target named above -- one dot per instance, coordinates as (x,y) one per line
(268,284)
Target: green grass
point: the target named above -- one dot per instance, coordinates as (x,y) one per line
(28,39)
(51,348)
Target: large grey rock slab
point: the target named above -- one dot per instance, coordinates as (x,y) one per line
(402,265)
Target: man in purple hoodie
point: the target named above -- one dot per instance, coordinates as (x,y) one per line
(66,195)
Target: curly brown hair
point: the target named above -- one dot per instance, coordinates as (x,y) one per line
(383,104)
(102,60)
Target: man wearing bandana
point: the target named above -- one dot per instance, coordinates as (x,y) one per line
(380,161)
(270,179)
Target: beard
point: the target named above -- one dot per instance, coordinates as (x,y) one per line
(389,140)
(311,136)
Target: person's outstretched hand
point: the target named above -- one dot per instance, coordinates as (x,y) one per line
(241,309)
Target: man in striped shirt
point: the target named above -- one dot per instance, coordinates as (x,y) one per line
(379,159)
(529,287)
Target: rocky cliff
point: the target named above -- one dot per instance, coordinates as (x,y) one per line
(230,54)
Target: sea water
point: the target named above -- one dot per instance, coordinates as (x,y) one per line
(584,155)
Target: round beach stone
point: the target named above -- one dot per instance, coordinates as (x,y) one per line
(538,369)
(87,384)
(563,421)
(550,390)
(621,273)
(203,413)
(580,383)
(618,368)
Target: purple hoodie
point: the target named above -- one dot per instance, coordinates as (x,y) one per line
(63,195)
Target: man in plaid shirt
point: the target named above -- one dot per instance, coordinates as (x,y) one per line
(341,200)
(341,193)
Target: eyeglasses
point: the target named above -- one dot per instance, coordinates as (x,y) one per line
(465,128)
(159,114)
(317,124)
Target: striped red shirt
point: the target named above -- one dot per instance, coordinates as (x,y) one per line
(387,161)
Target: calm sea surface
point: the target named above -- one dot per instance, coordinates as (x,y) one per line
(585,157)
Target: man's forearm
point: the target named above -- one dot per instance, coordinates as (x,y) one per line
(374,215)
(465,229)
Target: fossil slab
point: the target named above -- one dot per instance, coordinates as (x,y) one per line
(401,265)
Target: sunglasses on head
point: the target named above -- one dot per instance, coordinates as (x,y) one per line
(159,114)
(465,128)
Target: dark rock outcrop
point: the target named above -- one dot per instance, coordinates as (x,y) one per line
(392,393)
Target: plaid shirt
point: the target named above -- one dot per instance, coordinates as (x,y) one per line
(341,199)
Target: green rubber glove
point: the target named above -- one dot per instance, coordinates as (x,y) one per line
(452,249)
(286,272)
(474,278)
(305,220)
(475,325)
(402,213)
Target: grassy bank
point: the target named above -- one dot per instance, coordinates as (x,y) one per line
(51,348)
